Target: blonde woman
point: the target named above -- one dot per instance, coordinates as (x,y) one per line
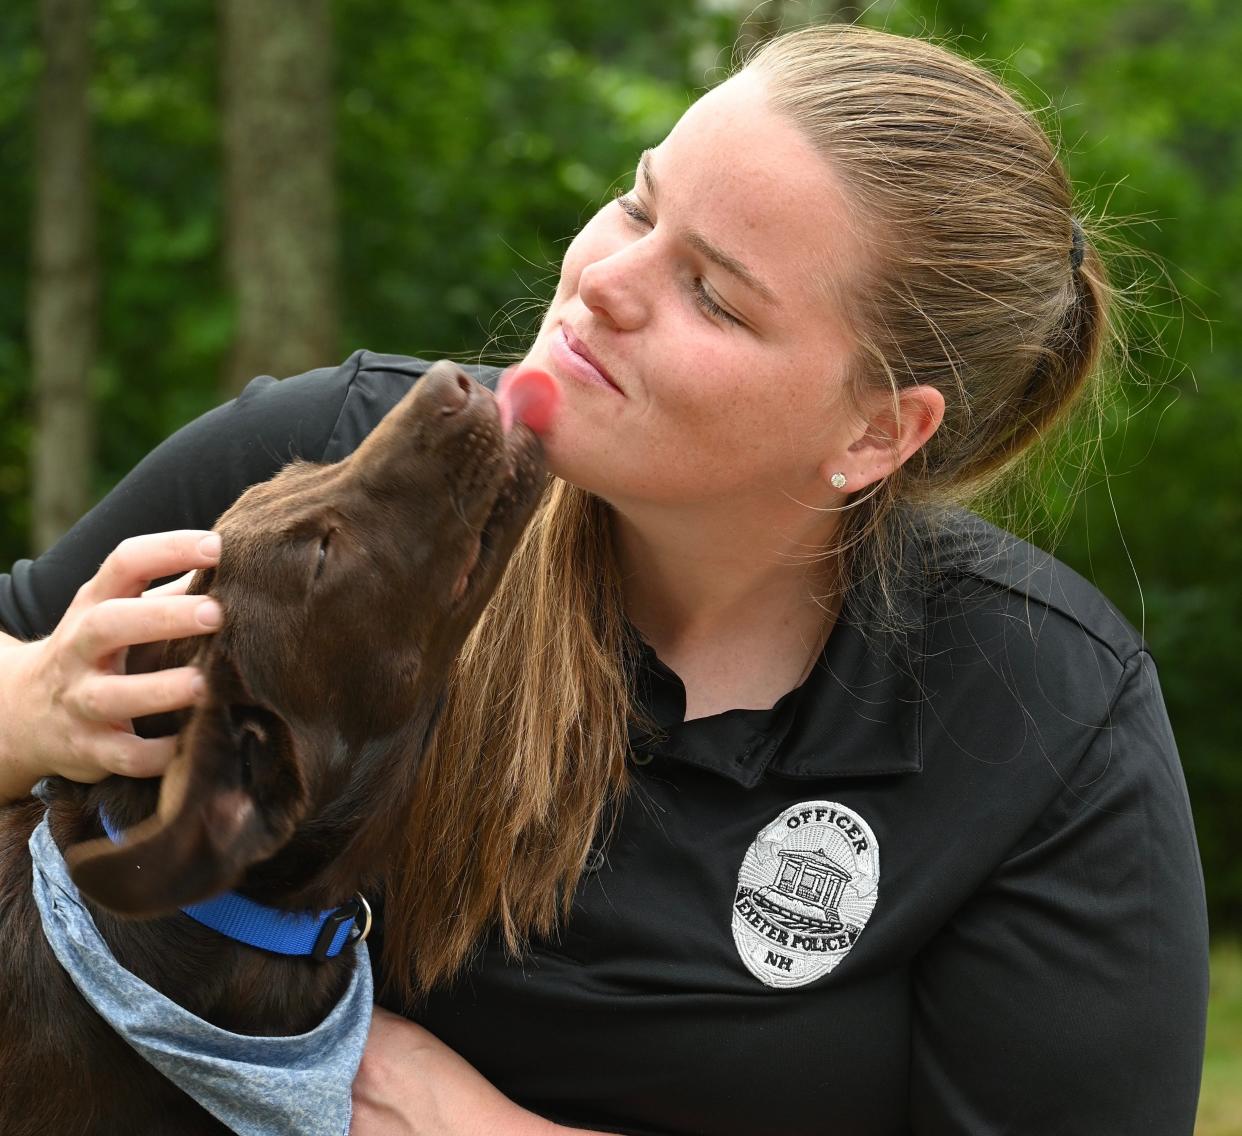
(775,792)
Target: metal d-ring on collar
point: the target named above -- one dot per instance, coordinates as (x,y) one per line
(301,934)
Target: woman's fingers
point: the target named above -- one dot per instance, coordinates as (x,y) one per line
(121,698)
(113,624)
(116,751)
(135,562)
(132,756)
(175,587)
(78,708)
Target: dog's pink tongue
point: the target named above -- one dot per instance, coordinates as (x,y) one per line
(526,394)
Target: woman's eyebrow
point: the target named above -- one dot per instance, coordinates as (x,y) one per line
(697,241)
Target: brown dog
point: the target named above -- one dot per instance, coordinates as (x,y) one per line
(347,591)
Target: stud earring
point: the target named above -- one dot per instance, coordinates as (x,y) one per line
(838,480)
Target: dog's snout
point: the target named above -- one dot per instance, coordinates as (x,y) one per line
(463,386)
(452,387)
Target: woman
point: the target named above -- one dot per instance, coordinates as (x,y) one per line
(773,793)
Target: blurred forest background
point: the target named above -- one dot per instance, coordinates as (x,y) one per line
(197,192)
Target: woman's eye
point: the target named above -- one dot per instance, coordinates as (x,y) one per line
(632,208)
(709,305)
(636,212)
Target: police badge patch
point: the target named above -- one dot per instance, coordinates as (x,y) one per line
(805,890)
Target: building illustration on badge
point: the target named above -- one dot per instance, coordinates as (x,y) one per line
(806,888)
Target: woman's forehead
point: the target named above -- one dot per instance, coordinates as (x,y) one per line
(750,182)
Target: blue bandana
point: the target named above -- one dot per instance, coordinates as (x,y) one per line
(255,1085)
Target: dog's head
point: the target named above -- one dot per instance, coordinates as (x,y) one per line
(347,590)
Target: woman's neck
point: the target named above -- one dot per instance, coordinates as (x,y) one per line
(738,610)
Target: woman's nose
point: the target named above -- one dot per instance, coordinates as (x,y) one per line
(615,288)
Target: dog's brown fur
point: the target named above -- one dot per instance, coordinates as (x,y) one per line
(342,592)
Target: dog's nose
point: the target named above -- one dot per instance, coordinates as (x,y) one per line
(451,387)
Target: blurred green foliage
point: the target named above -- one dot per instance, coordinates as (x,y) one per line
(473,140)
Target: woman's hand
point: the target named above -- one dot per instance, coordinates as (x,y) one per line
(412,1084)
(66,702)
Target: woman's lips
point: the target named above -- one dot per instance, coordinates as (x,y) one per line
(564,355)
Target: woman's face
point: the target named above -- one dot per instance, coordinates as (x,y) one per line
(698,294)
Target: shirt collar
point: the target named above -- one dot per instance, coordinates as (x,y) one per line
(855,715)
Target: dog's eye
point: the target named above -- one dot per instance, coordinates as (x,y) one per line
(323,554)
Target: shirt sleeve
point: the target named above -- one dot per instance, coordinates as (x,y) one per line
(185,482)
(1069,995)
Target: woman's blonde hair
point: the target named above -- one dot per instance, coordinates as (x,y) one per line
(965,211)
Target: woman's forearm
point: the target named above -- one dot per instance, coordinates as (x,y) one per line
(17,777)
(412,1084)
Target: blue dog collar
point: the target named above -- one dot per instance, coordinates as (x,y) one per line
(320,937)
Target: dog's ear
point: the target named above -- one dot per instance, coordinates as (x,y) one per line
(231,797)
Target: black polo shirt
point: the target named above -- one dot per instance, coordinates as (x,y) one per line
(947,887)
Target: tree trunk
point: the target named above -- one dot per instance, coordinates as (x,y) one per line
(64,286)
(280,209)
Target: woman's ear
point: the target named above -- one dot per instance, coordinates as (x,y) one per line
(894,429)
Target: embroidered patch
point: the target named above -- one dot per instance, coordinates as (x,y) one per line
(805,890)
